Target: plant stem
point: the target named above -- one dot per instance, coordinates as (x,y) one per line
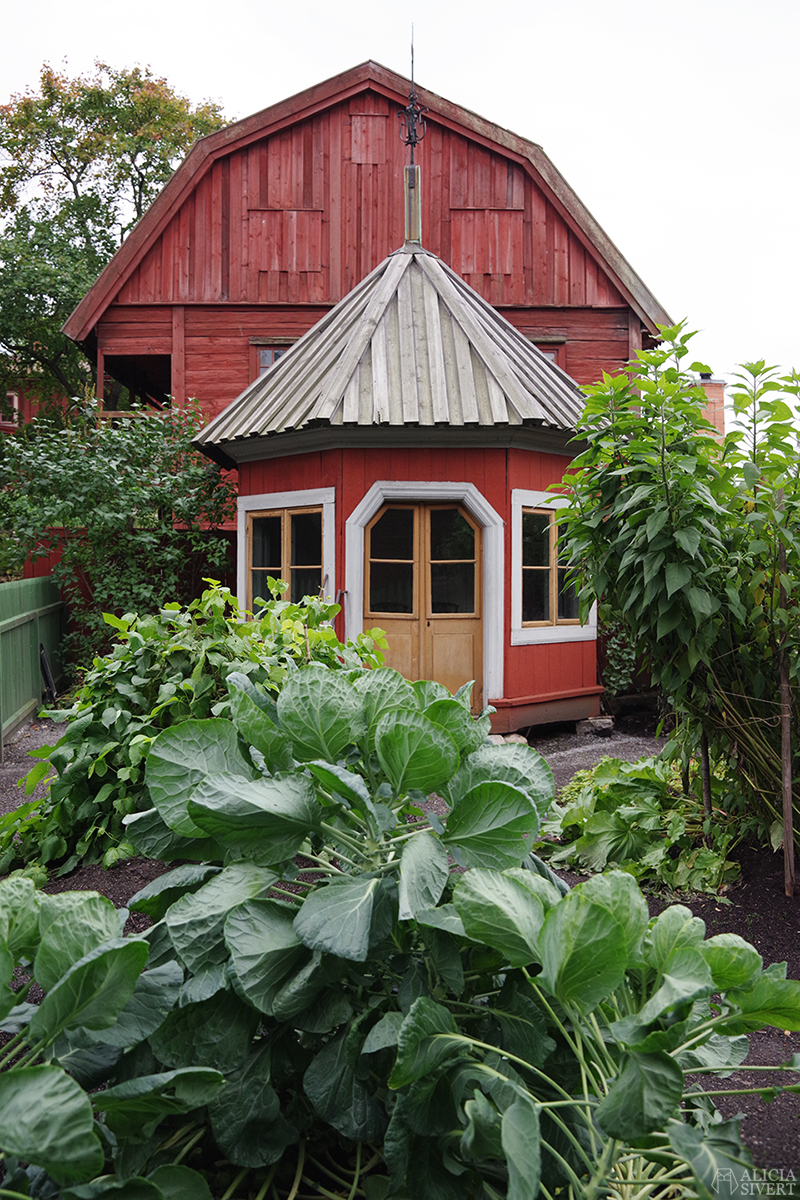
(298,1175)
(226,1195)
(13,1048)
(357,1175)
(262,1191)
(190,1145)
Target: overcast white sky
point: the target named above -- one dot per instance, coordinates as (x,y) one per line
(676,123)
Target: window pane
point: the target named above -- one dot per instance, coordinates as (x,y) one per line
(567,599)
(267,543)
(452,536)
(392,536)
(306,582)
(535,540)
(536,595)
(391,587)
(453,587)
(307,539)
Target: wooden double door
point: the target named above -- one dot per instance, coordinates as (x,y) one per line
(423,575)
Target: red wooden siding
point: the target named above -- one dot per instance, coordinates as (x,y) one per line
(302,216)
(530,671)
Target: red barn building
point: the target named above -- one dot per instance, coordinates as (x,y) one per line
(400,455)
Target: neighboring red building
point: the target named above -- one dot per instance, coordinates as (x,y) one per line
(399,456)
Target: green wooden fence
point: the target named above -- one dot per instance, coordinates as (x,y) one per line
(31,615)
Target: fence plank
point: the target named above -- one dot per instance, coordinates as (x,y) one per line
(31,612)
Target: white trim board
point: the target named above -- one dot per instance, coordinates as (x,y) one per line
(541,634)
(326,497)
(493,525)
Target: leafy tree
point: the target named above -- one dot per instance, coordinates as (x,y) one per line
(80,161)
(695,543)
(128,508)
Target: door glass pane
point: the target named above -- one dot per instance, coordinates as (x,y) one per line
(392,536)
(453,587)
(306,581)
(452,536)
(391,587)
(535,541)
(536,595)
(307,540)
(267,543)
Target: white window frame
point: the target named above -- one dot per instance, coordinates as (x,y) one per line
(533,635)
(493,525)
(324,498)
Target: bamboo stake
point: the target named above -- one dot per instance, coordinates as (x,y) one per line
(786,748)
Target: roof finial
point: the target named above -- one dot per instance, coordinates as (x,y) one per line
(411,117)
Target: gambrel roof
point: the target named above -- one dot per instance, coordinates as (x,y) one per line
(181,253)
(411,346)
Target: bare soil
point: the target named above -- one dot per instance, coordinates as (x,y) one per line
(755,908)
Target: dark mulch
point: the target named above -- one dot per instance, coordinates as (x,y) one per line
(757,910)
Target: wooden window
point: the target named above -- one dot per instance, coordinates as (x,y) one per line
(284,544)
(267,355)
(546,597)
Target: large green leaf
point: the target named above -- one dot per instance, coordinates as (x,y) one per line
(345,784)
(20,903)
(493,825)
(93,992)
(46,1119)
(522,1146)
(501,912)
(415,752)
(340,1097)
(445,918)
(424,870)
(214,1033)
(673,930)
(71,924)
(521,766)
(620,894)
(427,1037)
(643,1097)
(135,1108)
(267,819)
(523,1029)
(181,757)
(252,714)
(733,962)
(481,1138)
(582,951)
(156,897)
(322,713)
(467,733)
(717,1158)
(382,691)
(151,837)
(196,921)
(688,979)
(108,1187)
(246,1116)
(155,995)
(338,917)
(180,1183)
(770,1001)
(265,950)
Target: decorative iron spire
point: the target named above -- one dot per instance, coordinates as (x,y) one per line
(412,118)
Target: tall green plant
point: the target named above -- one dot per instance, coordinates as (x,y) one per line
(680,536)
(165,668)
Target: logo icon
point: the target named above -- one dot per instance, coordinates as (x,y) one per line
(725,1176)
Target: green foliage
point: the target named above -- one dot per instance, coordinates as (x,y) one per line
(619,664)
(131,507)
(636,816)
(693,544)
(307,1024)
(165,669)
(82,160)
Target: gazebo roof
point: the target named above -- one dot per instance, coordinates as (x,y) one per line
(411,346)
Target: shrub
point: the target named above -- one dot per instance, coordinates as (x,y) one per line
(165,668)
(636,816)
